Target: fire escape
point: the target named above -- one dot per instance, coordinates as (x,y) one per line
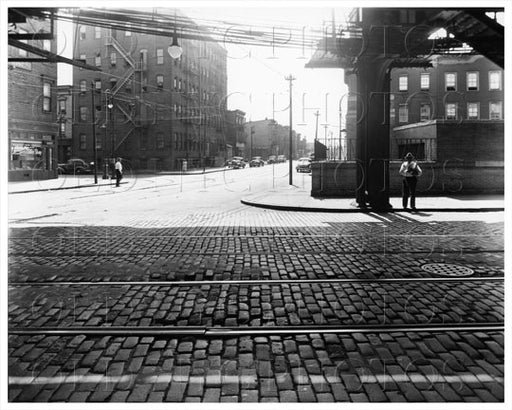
(127,105)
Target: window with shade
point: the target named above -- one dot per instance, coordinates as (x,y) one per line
(472,81)
(450,81)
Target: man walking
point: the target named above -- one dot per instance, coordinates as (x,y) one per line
(119,171)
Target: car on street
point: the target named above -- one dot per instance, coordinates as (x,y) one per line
(236,163)
(281,158)
(75,166)
(304,165)
(256,162)
(272,159)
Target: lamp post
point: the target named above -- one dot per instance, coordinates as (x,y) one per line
(94,135)
(290,78)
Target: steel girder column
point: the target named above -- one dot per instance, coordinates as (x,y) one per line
(372,143)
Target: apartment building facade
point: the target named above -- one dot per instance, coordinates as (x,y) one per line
(154,111)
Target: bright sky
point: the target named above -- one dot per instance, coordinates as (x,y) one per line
(256,83)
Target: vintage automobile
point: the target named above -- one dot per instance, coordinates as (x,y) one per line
(256,162)
(304,165)
(272,159)
(75,166)
(281,158)
(236,163)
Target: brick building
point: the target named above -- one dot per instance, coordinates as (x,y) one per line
(235,133)
(449,110)
(65,121)
(267,137)
(32,103)
(150,109)
(450,116)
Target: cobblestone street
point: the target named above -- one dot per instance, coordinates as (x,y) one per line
(253,305)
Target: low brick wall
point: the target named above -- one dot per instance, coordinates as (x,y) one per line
(338,179)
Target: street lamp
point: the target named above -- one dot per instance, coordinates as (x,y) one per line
(175,49)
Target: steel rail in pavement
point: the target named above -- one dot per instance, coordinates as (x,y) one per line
(177,331)
(258,281)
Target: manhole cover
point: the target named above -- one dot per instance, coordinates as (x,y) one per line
(446,269)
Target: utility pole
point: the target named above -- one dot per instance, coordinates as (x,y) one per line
(290,78)
(317,114)
(94,134)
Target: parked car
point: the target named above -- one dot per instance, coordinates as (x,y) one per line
(304,165)
(75,166)
(281,158)
(272,159)
(256,162)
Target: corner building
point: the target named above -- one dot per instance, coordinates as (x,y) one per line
(154,111)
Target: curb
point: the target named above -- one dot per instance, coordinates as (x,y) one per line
(362,210)
(62,188)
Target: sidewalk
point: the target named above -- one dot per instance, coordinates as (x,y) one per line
(298,199)
(87,181)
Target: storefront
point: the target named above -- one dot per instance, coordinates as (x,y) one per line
(32,157)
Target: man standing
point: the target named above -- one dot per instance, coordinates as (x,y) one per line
(119,171)
(410,170)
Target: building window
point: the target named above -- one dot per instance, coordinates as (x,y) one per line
(83,86)
(403,113)
(450,81)
(473,111)
(113,58)
(97,85)
(84,113)
(127,32)
(425,81)
(424,112)
(495,110)
(175,83)
(83,59)
(494,80)
(159,55)
(97,32)
(159,140)
(160,81)
(451,111)
(47,45)
(82,32)
(63,128)
(47,96)
(179,84)
(98,143)
(176,141)
(62,106)
(83,141)
(472,80)
(97,61)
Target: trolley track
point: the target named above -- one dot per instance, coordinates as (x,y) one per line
(222,331)
(249,282)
